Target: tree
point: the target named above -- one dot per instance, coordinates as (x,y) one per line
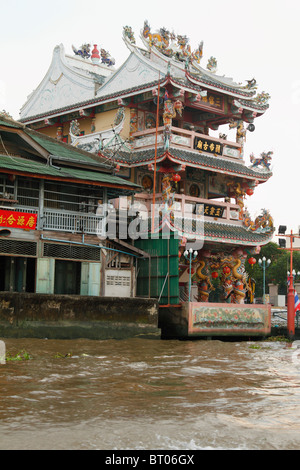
(276,273)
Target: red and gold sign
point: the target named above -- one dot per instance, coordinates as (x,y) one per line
(210,210)
(208,146)
(18,219)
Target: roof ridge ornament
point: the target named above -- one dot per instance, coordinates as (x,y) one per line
(95,55)
(262,98)
(128,33)
(251,84)
(171,45)
(264,161)
(262,224)
(212,64)
(84,51)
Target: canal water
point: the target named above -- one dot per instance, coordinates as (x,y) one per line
(150,394)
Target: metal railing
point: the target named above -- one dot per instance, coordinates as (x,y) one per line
(62,221)
(72,222)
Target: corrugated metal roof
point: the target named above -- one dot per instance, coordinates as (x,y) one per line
(28,166)
(79,173)
(58,148)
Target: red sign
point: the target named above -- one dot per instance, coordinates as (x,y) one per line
(18,219)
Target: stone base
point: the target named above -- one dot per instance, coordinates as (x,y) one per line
(24,315)
(196,319)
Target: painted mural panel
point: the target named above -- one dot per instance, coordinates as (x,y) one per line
(209,318)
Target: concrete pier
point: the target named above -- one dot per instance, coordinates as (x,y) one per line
(24,315)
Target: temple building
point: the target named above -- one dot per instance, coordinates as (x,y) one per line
(162,120)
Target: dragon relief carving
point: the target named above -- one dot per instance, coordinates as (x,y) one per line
(204,286)
(233,279)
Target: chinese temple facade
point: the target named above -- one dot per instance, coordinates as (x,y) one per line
(162,120)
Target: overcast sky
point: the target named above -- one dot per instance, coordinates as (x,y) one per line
(256,38)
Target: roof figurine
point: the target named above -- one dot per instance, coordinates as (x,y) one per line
(95,57)
(212,64)
(128,33)
(171,45)
(83,52)
(264,161)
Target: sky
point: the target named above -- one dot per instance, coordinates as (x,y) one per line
(254,39)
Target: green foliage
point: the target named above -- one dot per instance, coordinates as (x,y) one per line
(20,356)
(60,355)
(276,273)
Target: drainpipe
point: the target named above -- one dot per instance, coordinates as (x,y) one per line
(88,244)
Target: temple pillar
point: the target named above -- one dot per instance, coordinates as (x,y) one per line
(133,121)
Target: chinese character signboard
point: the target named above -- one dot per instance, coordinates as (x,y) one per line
(210,210)
(211,101)
(208,146)
(18,220)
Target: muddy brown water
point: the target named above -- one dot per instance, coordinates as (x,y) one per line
(150,394)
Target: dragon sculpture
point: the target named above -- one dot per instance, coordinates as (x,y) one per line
(239,194)
(205,286)
(262,98)
(96,141)
(262,224)
(160,39)
(172,45)
(167,192)
(240,132)
(212,64)
(170,110)
(83,52)
(106,58)
(234,278)
(128,33)
(264,161)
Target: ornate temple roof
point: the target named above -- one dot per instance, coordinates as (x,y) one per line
(191,158)
(68,81)
(72,83)
(227,233)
